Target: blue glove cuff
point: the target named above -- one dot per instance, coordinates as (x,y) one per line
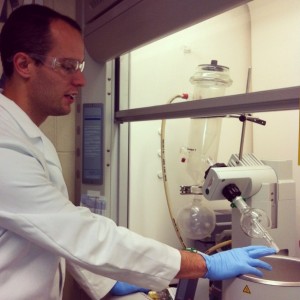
(124,288)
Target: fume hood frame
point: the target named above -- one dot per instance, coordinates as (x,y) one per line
(115,27)
(262,101)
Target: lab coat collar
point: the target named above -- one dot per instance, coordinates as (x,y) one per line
(20,117)
(32,131)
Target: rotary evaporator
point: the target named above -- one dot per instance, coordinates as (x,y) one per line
(262,196)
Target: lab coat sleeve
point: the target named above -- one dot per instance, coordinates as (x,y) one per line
(33,208)
(96,286)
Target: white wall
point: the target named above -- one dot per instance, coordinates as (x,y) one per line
(158,72)
(276,64)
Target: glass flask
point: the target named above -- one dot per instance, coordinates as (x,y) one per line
(254,222)
(196,221)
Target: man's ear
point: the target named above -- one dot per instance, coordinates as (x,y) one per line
(22,64)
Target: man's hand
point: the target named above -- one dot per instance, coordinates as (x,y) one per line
(235,262)
(123,288)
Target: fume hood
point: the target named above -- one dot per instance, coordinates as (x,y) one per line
(114,27)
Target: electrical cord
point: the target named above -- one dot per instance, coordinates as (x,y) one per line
(218,246)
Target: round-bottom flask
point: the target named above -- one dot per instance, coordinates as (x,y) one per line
(251,221)
(196,221)
(254,222)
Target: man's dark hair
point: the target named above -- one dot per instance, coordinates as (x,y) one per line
(28,30)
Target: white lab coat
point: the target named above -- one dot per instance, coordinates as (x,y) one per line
(40,227)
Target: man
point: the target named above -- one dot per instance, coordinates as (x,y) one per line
(42,54)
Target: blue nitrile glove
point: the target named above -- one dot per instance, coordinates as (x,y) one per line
(124,288)
(235,262)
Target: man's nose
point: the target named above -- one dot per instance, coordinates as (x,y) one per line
(79,78)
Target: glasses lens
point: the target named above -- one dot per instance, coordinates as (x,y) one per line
(81,66)
(70,66)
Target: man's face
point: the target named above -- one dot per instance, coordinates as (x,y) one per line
(52,89)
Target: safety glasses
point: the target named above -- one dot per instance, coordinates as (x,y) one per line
(67,65)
